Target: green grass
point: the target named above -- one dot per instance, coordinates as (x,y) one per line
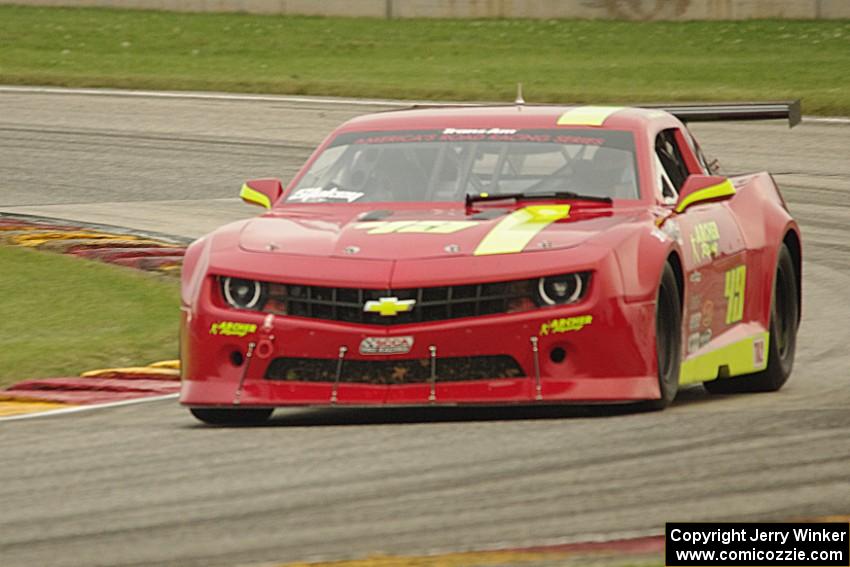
(61,315)
(557,61)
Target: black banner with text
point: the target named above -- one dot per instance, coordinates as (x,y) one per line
(745,544)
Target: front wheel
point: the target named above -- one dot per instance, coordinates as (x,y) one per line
(236,416)
(784,318)
(668,339)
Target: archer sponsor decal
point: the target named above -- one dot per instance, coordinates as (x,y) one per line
(232,328)
(705,241)
(565,325)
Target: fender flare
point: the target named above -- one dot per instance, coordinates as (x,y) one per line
(642,259)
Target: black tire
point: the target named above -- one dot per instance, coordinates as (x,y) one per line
(668,339)
(227,416)
(784,320)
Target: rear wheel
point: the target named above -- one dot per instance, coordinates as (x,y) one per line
(668,339)
(236,416)
(784,318)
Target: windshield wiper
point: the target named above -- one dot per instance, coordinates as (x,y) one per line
(482,197)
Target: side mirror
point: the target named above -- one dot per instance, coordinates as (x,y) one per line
(262,192)
(701,188)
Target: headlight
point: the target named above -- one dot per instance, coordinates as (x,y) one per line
(562,289)
(243,294)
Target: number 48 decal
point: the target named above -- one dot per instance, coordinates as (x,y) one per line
(736,282)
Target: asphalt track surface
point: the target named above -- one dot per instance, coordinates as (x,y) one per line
(146,484)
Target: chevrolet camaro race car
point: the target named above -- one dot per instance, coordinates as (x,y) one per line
(509,254)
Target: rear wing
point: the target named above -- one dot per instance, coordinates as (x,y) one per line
(716,112)
(708,112)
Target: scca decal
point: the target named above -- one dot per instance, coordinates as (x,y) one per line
(416,226)
(565,325)
(232,328)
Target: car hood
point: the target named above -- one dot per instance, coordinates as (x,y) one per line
(417,232)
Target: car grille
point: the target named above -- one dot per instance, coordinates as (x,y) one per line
(432,303)
(404,371)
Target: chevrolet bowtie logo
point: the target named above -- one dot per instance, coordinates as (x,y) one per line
(389,306)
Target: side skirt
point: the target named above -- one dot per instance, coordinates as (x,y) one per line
(741,355)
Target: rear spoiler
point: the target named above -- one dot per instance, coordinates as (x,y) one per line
(715,112)
(709,112)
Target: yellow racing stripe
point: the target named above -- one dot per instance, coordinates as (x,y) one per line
(251,195)
(587,115)
(739,357)
(713,192)
(515,231)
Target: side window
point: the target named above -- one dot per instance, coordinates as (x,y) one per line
(672,167)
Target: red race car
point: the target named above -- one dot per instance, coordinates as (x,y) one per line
(496,255)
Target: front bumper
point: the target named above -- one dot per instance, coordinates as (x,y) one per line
(608,359)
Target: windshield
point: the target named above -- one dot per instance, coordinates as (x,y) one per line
(449,164)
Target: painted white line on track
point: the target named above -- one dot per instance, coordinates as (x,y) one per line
(827,119)
(79,409)
(209,96)
(199,95)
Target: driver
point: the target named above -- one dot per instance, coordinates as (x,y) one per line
(609,173)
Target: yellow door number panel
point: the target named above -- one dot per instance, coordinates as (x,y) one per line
(736,283)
